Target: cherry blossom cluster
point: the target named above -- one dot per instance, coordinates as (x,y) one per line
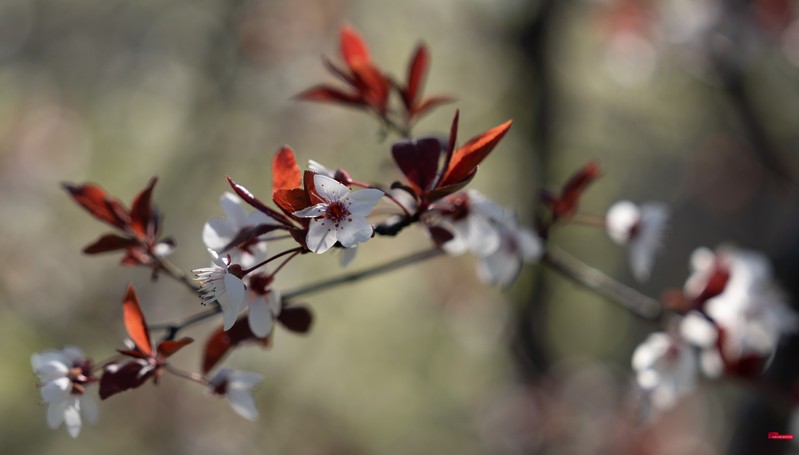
(731,311)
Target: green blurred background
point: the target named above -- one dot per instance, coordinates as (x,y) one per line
(690,103)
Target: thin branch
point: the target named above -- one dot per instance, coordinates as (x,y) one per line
(355,276)
(639,304)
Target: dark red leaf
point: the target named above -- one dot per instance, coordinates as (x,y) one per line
(468,156)
(109,242)
(141,212)
(221,342)
(440,235)
(168,347)
(325,93)
(373,86)
(716,283)
(296,318)
(96,201)
(286,174)
(416,73)
(135,324)
(453,139)
(310,188)
(353,48)
(442,191)
(250,233)
(123,378)
(418,160)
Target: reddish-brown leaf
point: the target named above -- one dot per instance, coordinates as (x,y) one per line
(141,210)
(570,195)
(468,156)
(221,342)
(123,378)
(296,318)
(442,191)
(286,174)
(418,160)
(353,47)
(96,201)
(109,242)
(373,86)
(168,347)
(291,200)
(135,323)
(430,103)
(325,93)
(310,188)
(416,73)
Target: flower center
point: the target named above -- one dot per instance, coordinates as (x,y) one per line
(337,212)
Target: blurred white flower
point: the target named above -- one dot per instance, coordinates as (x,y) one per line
(747,308)
(517,245)
(219,284)
(219,232)
(665,368)
(341,217)
(640,229)
(63,377)
(264,308)
(237,387)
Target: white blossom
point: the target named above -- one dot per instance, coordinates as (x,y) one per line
(218,284)
(640,229)
(219,232)
(341,217)
(517,245)
(264,308)
(63,376)
(665,368)
(237,387)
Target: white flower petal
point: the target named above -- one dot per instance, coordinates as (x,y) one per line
(620,220)
(312,211)
(72,418)
(233,207)
(485,207)
(483,237)
(217,233)
(329,189)
(73,353)
(242,402)
(58,389)
(55,413)
(321,236)
(499,268)
(348,255)
(354,232)
(361,202)
(260,317)
(88,406)
(231,299)
(244,379)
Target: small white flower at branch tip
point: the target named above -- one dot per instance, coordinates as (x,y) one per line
(666,368)
(63,377)
(639,228)
(237,387)
(317,168)
(219,284)
(219,232)
(341,217)
(263,311)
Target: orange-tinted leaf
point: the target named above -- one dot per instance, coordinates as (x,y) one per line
(466,158)
(168,347)
(353,48)
(291,200)
(416,73)
(109,242)
(285,171)
(310,188)
(141,209)
(96,201)
(373,86)
(134,322)
(429,104)
(446,190)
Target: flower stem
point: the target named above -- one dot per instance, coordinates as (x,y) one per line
(293,252)
(639,304)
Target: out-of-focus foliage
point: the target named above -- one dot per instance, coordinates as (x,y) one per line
(417,361)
